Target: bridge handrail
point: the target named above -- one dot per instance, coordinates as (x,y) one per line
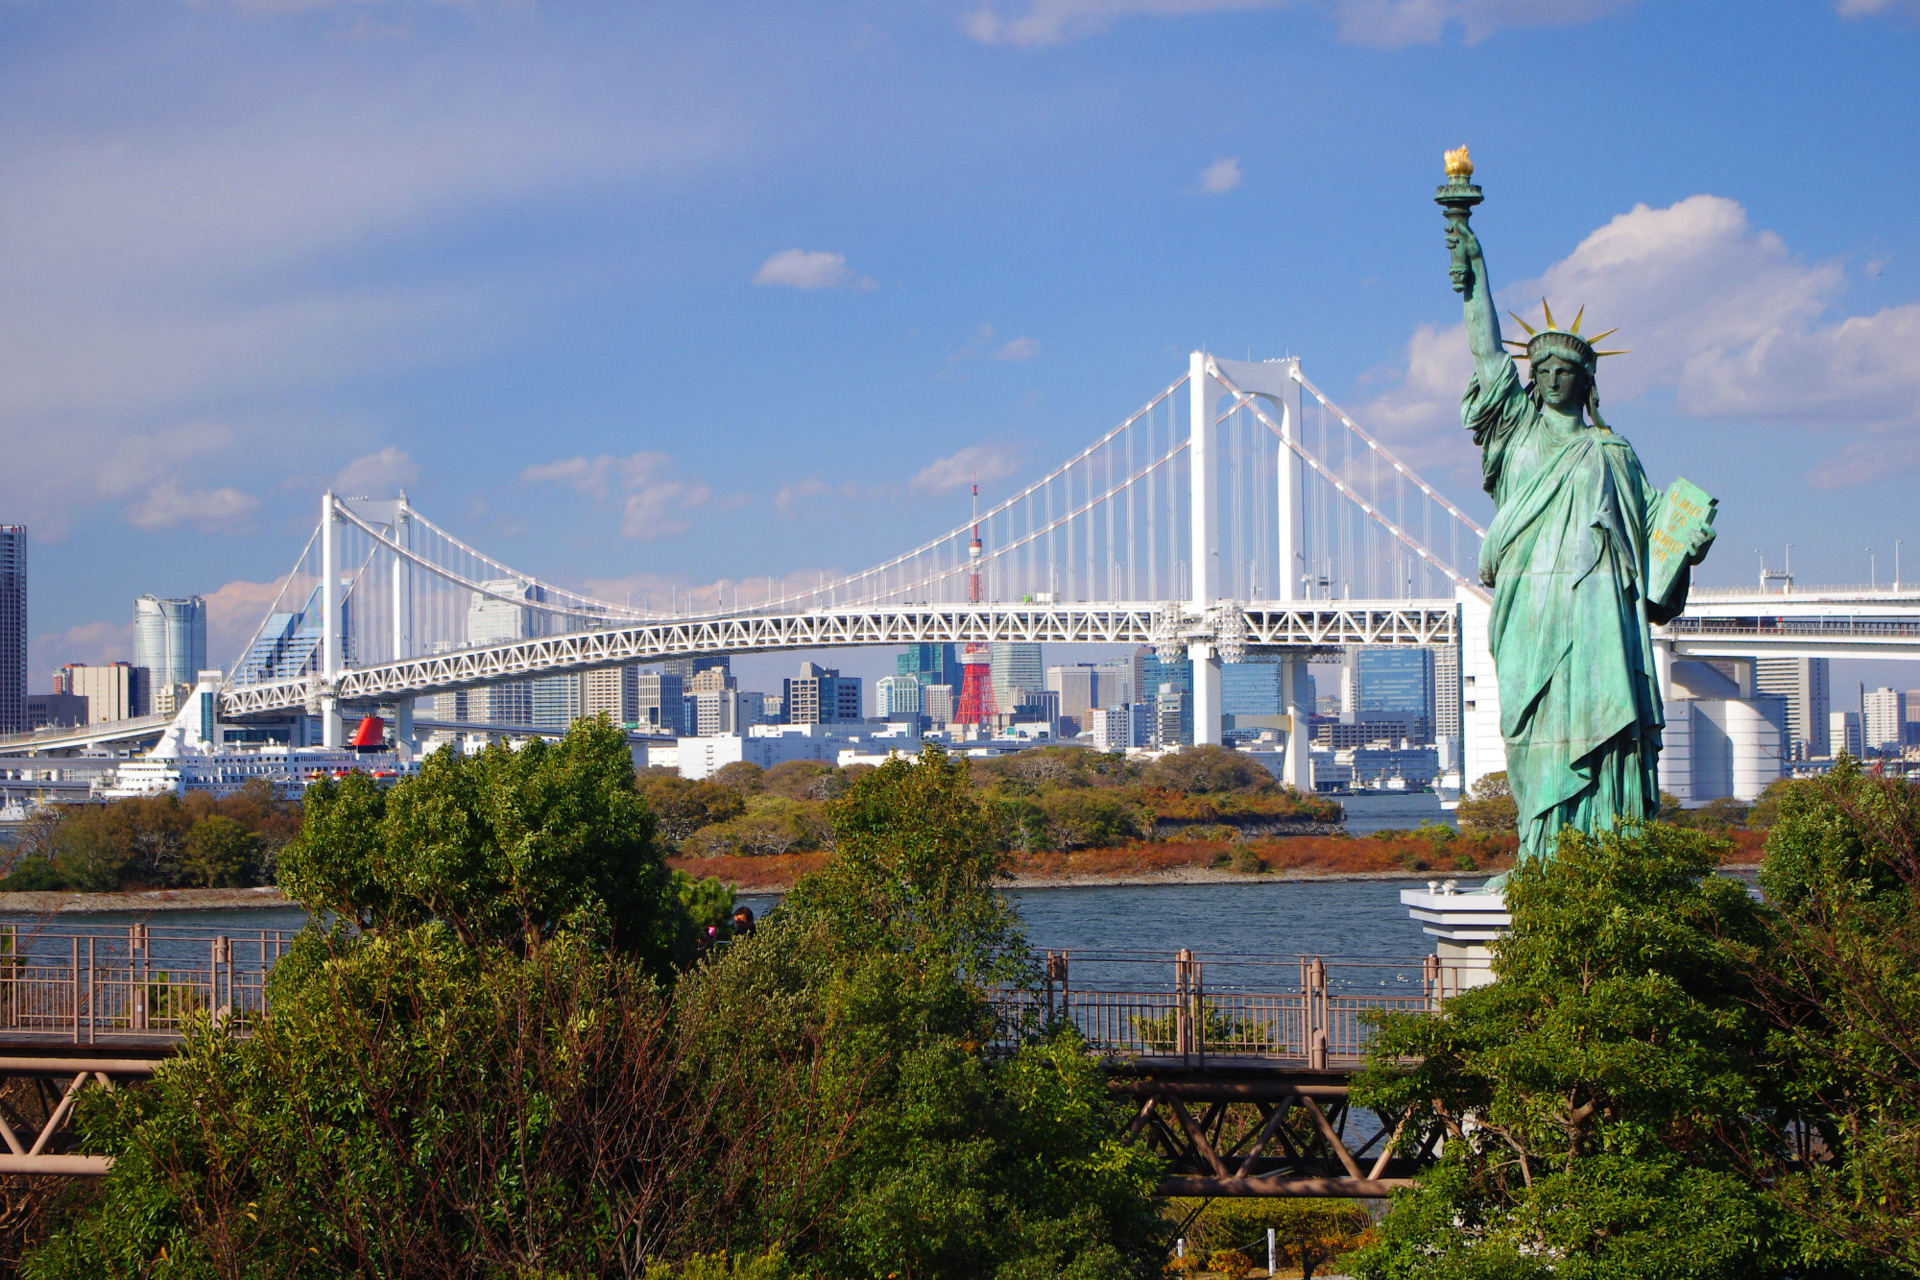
(1318,1023)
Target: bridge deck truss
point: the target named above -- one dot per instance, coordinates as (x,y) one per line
(1311,624)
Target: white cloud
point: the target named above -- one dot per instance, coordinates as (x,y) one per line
(653,504)
(194,240)
(1724,315)
(810,269)
(94,643)
(976,462)
(1380,23)
(982,346)
(1220,177)
(388,469)
(167,506)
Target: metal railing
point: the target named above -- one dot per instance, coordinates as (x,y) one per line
(1310,1012)
(138,983)
(146,983)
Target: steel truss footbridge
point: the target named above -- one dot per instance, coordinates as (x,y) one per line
(1238,514)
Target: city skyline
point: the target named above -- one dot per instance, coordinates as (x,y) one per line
(965,284)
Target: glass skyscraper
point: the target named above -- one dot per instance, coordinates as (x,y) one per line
(170,641)
(1394,680)
(13,628)
(930,664)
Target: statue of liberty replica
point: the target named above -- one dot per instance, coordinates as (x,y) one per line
(1583,557)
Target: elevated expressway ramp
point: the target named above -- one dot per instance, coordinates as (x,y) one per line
(1813,622)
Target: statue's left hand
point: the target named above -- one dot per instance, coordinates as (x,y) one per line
(1697,546)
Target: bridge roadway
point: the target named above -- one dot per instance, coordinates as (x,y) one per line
(1239,1069)
(1305,625)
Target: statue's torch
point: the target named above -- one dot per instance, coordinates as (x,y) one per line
(1457,199)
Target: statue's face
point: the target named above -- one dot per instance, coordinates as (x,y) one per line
(1562,383)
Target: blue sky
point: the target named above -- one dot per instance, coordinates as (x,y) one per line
(635,295)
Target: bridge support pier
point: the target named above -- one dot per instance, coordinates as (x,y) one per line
(332,729)
(405,740)
(1298,765)
(1206,693)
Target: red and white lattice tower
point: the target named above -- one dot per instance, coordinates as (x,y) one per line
(976,680)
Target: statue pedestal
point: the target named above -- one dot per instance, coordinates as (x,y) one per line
(1462,924)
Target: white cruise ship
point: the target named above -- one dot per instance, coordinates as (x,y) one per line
(187,759)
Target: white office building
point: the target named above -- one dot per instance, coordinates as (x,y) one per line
(1016,671)
(896,696)
(1884,720)
(1843,732)
(1803,683)
(1118,728)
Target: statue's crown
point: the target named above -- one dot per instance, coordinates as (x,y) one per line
(1555,341)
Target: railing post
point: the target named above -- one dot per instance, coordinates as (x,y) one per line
(139,956)
(91,955)
(1182,1018)
(76,988)
(1317,1002)
(1200,1011)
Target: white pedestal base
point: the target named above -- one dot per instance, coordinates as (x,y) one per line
(1461,924)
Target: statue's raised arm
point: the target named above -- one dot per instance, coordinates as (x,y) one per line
(1469,267)
(1469,273)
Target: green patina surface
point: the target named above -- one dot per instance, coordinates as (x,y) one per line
(1583,557)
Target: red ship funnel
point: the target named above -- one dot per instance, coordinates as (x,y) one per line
(371,733)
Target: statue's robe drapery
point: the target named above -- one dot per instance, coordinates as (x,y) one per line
(1566,558)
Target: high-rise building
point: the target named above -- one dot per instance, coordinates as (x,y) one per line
(930,664)
(492,619)
(1843,733)
(688,668)
(613,692)
(1393,679)
(1883,716)
(1128,724)
(1124,679)
(1077,686)
(116,691)
(1803,683)
(13,628)
(1252,688)
(937,703)
(1016,671)
(897,696)
(170,641)
(724,710)
(554,702)
(1172,717)
(1446,692)
(1155,674)
(660,704)
(1913,717)
(820,695)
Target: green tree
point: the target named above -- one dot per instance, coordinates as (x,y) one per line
(1491,808)
(1079,819)
(484,1078)
(681,806)
(219,853)
(1597,1098)
(1208,768)
(504,846)
(961,1163)
(1841,987)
